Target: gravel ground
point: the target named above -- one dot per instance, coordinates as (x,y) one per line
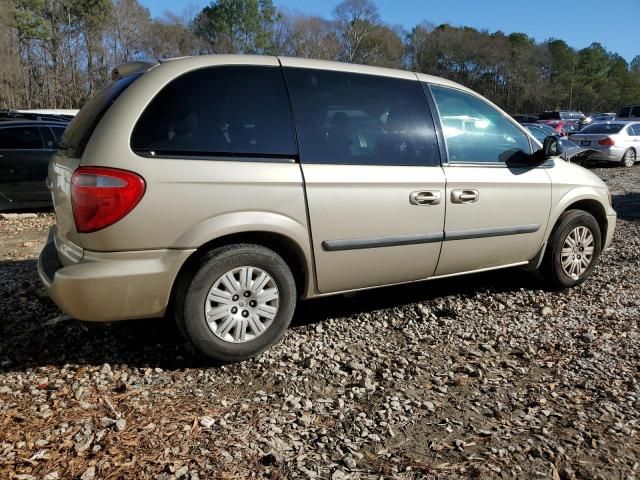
(493,376)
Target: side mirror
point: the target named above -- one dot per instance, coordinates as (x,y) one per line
(552,147)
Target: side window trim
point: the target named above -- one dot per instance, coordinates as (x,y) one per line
(435,118)
(220,155)
(440,132)
(430,117)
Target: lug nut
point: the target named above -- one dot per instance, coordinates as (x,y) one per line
(252,303)
(245,313)
(235,298)
(247,293)
(234,309)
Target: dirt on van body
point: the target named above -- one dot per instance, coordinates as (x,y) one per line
(483,376)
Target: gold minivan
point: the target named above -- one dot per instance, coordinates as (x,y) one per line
(220,189)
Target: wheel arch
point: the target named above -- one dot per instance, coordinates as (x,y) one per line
(590,205)
(287,248)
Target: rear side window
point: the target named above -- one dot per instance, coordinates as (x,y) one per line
(624,112)
(85,122)
(20,138)
(635,130)
(635,111)
(476,132)
(356,119)
(603,128)
(231,110)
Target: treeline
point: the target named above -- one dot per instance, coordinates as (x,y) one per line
(57,53)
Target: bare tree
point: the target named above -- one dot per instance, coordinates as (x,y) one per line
(307,37)
(355,21)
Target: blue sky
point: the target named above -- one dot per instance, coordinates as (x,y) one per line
(578,22)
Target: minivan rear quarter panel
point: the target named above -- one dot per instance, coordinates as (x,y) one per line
(190,201)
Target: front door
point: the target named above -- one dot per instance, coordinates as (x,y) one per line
(497,203)
(375,188)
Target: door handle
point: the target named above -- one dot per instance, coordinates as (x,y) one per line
(425,197)
(48,183)
(464,196)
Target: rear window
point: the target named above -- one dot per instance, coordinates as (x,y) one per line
(549,116)
(635,111)
(219,111)
(85,122)
(624,112)
(603,128)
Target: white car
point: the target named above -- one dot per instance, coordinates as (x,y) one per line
(612,141)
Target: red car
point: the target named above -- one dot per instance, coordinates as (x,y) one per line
(562,127)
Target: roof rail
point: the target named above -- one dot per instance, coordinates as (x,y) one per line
(125,69)
(9,115)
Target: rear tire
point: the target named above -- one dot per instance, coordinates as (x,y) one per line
(238,302)
(629,158)
(573,249)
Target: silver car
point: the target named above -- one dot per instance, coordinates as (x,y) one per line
(617,142)
(223,189)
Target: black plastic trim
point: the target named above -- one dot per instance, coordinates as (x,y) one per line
(48,260)
(377,242)
(490,232)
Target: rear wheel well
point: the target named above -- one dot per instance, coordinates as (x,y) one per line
(596,209)
(280,244)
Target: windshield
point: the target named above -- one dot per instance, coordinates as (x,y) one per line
(548,130)
(604,128)
(82,126)
(538,133)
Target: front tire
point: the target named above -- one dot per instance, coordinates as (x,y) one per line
(238,303)
(573,249)
(629,158)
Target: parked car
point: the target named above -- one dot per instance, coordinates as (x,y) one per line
(525,118)
(629,113)
(565,115)
(25,149)
(571,151)
(596,118)
(224,188)
(614,141)
(44,115)
(562,128)
(549,131)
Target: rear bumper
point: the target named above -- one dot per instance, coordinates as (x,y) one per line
(106,287)
(613,154)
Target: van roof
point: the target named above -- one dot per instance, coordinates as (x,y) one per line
(198,61)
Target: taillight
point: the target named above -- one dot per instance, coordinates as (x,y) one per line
(607,141)
(102,196)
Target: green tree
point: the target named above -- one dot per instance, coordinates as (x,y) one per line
(238,26)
